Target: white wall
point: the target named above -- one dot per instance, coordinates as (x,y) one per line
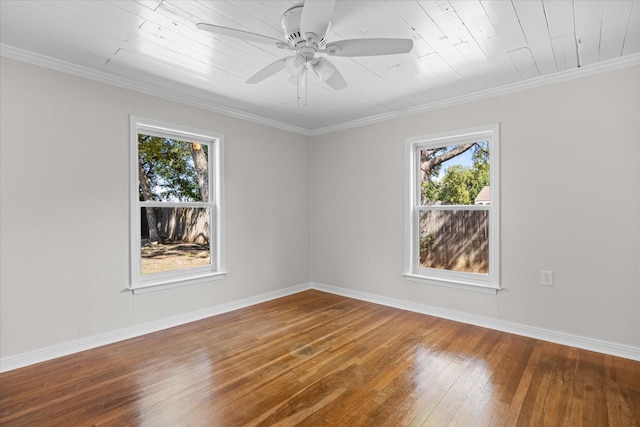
(570,203)
(64,209)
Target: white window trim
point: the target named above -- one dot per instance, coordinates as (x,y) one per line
(139,283)
(487,283)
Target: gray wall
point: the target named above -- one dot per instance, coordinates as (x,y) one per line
(570,203)
(331,208)
(65,203)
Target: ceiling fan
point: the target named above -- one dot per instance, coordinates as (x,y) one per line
(305,28)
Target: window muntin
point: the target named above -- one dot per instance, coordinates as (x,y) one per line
(176,192)
(453,209)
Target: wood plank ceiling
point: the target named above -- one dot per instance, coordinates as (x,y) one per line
(460,47)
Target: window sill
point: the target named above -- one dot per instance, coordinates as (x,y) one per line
(176,282)
(475,287)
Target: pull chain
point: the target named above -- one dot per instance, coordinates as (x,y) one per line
(302,81)
(306,86)
(298,93)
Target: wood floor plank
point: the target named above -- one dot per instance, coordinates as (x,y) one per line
(317,359)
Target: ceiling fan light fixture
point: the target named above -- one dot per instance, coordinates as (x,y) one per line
(305,29)
(297,80)
(295,65)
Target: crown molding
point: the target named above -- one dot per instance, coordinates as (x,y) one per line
(100,76)
(562,76)
(136,86)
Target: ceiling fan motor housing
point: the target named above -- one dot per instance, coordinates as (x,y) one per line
(290,22)
(291,25)
(305,29)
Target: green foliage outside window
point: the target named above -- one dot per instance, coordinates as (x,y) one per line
(169,168)
(460,184)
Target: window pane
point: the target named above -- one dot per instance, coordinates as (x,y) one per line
(456,240)
(455,174)
(182,240)
(172,170)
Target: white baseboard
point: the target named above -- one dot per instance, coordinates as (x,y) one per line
(41,355)
(600,346)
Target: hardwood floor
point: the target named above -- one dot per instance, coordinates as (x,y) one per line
(317,359)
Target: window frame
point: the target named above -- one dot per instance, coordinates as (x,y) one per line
(139,283)
(487,283)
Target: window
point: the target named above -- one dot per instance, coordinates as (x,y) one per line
(176,205)
(453,209)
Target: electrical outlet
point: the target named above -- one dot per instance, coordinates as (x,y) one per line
(546,278)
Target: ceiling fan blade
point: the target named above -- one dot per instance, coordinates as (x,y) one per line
(316,15)
(336,81)
(268,71)
(369,47)
(244,35)
(328,73)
